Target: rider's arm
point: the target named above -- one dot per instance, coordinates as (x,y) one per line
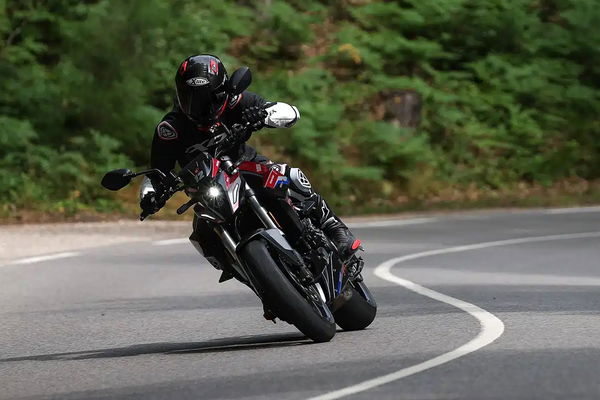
(164,151)
(279,114)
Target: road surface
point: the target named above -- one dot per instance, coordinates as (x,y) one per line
(148,320)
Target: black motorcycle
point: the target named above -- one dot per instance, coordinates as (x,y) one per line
(271,244)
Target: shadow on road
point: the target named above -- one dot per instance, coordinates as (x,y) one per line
(210,346)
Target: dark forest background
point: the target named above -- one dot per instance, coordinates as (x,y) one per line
(408,103)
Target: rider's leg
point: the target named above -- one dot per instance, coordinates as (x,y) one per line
(315,206)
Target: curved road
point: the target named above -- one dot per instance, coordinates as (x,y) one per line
(148,321)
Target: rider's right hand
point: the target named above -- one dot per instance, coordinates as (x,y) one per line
(237,134)
(151,203)
(254,117)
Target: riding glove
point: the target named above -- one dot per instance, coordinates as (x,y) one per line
(151,203)
(254,116)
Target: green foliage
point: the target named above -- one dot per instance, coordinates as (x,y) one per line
(508,96)
(510,90)
(35,175)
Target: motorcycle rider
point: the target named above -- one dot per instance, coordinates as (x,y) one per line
(202,102)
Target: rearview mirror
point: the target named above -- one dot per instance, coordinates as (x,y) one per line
(239,81)
(117,179)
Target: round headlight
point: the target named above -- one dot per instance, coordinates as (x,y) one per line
(214,192)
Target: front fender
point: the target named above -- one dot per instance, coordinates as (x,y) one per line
(278,242)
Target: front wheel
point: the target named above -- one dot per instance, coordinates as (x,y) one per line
(309,314)
(359,310)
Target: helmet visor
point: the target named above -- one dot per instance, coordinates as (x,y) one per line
(201,104)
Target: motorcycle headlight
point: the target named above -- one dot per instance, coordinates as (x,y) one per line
(213,192)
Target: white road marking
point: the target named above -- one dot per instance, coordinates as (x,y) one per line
(32,260)
(491,326)
(170,242)
(573,210)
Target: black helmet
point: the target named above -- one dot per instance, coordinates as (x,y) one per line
(201,88)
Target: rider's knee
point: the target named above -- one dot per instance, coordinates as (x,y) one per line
(299,185)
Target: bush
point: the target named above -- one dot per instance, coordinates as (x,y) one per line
(36,176)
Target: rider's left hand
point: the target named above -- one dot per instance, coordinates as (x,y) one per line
(151,203)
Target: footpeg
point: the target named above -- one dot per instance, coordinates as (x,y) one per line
(268,315)
(225,276)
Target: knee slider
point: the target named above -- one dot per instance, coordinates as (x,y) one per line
(300,187)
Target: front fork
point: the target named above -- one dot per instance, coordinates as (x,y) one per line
(259,209)
(231,245)
(228,241)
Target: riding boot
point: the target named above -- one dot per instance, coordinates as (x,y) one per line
(320,213)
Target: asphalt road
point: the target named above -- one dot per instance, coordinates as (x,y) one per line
(141,321)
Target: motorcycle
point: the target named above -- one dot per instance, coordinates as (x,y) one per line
(302,281)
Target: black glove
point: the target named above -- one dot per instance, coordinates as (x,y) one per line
(255,117)
(237,134)
(151,203)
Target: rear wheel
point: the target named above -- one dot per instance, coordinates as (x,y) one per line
(359,311)
(306,311)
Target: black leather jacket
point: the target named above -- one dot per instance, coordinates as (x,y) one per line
(177,138)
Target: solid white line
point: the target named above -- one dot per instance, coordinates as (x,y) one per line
(32,260)
(491,326)
(170,242)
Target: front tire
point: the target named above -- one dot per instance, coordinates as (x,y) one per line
(282,297)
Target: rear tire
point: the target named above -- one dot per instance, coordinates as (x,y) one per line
(280,295)
(356,314)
